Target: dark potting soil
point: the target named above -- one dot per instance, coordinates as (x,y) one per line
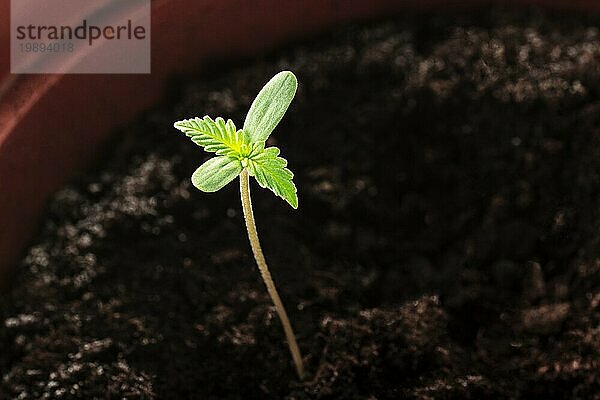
(447,243)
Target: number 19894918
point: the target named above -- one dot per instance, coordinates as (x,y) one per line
(41,47)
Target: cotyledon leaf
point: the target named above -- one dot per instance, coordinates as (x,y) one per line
(269,106)
(216,173)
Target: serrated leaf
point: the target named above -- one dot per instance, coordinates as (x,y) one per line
(215,136)
(270,172)
(216,173)
(270,105)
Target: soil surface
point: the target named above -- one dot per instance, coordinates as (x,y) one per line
(447,243)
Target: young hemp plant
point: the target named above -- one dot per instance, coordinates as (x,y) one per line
(242,152)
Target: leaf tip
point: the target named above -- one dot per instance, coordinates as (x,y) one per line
(288,74)
(292,197)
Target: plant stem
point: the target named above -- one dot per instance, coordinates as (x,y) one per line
(264,271)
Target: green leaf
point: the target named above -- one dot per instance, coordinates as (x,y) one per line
(269,106)
(216,173)
(215,136)
(270,172)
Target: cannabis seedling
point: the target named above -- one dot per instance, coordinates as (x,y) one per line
(242,152)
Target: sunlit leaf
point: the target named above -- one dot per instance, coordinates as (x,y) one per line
(215,136)
(270,172)
(270,105)
(216,173)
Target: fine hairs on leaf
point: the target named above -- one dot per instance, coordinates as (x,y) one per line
(216,136)
(243,153)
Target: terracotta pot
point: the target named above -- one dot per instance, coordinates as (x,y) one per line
(52,125)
